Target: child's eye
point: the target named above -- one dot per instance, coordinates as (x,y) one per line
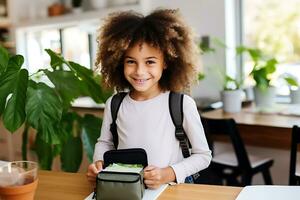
(149,62)
(129,61)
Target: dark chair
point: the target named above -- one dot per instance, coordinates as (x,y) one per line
(294,178)
(235,166)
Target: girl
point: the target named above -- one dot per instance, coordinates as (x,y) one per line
(150,56)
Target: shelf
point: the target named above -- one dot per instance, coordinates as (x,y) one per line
(93,16)
(5,23)
(8,44)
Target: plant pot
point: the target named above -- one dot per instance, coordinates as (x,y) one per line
(77,10)
(264,98)
(295,96)
(23,192)
(18,180)
(232,100)
(97,4)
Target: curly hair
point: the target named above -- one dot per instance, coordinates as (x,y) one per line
(163,29)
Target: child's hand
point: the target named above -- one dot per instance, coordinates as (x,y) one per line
(93,170)
(154,177)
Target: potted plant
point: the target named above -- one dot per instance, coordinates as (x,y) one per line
(263,69)
(27,102)
(76,4)
(231,96)
(294,88)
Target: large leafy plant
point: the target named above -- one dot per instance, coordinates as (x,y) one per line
(263,67)
(26,102)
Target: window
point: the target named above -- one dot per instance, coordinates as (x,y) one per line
(75,43)
(274,27)
(36,42)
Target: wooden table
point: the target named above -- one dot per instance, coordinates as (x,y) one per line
(266,130)
(73,186)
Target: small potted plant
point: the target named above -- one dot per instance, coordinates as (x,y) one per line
(231,96)
(76,6)
(263,69)
(294,88)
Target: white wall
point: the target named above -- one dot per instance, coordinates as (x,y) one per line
(206,17)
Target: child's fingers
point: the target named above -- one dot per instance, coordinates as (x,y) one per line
(149,174)
(99,166)
(149,168)
(92,170)
(151,184)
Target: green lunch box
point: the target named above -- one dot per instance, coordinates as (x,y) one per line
(120,185)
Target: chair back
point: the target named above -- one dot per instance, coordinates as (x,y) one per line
(228,128)
(293,159)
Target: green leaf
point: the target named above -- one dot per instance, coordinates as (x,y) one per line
(231,84)
(71,155)
(255,54)
(105,93)
(4,57)
(44,152)
(291,81)
(240,49)
(44,110)
(271,66)
(89,82)
(7,82)
(201,76)
(15,62)
(261,79)
(14,113)
(68,120)
(86,75)
(91,128)
(68,86)
(57,60)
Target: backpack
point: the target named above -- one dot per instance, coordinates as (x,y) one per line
(176,112)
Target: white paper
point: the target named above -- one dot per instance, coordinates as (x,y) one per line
(269,192)
(3,163)
(149,194)
(154,194)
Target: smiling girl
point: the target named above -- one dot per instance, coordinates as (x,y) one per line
(150,56)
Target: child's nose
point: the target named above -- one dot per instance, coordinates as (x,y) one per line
(140,69)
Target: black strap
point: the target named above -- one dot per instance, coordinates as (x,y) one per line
(114,108)
(176,112)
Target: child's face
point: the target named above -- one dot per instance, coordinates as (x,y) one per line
(143,68)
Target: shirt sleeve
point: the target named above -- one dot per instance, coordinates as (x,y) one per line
(105,141)
(200,155)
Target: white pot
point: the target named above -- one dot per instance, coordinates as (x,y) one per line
(295,96)
(117,2)
(97,4)
(249,94)
(264,98)
(77,10)
(232,100)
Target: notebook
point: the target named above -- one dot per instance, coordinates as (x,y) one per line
(269,192)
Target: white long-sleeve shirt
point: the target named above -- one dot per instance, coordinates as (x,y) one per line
(148,125)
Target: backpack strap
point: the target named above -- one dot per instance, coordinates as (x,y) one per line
(176,112)
(114,108)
